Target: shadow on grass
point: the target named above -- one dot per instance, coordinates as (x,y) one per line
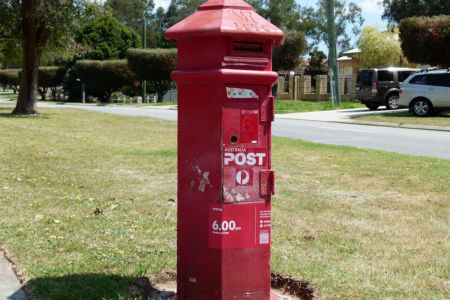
(93,286)
(7,115)
(11,116)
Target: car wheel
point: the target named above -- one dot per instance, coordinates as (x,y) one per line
(392,101)
(372,106)
(421,107)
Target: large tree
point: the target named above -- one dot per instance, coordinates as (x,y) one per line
(287,56)
(159,24)
(287,14)
(35,24)
(316,63)
(284,14)
(132,13)
(106,38)
(347,15)
(396,10)
(380,48)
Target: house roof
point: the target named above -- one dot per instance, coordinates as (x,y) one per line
(352,52)
(344,58)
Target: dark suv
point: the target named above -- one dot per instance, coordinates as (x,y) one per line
(380,86)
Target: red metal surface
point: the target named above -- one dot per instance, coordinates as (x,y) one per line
(225,181)
(225,18)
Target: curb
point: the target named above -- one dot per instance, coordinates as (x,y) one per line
(10,287)
(408,126)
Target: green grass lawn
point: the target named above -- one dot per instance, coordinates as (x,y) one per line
(287,106)
(443,119)
(87,211)
(8,95)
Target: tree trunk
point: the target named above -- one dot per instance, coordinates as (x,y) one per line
(43,93)
(53,92)
(27,99)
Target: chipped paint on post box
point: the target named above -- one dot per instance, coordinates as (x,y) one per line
(225,177)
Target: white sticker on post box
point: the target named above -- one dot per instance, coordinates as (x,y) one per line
(238,93)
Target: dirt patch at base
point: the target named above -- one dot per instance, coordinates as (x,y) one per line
(297,288)
(163,287)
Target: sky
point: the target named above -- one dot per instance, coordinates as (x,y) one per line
(371,12)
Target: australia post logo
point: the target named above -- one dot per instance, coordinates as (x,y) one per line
(245,157)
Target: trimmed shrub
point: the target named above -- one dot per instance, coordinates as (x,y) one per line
(316,65)
(426,40)
(10,77)
(50,78)
(154,65)
(102,78)
(72,85)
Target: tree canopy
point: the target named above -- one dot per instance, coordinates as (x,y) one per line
(131,13)
(34,25)
(380,49)
(316,65)
(396,10)
(287,56)
(284,14)
(347,15)
(288,14)
(106,38)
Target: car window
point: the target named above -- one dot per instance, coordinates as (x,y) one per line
(419,79)
(440,80)
(402,75)
(365,78)
(385,76)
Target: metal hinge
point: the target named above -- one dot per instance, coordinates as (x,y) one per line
(267,113)
(267,183)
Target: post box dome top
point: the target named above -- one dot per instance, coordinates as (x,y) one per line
(225,18)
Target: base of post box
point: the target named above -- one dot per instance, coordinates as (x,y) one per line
(273,296)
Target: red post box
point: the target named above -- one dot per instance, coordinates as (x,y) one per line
(225,181)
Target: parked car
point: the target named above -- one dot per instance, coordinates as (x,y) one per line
(380,86)
(426,92)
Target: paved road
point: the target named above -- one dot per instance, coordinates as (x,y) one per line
(401,140)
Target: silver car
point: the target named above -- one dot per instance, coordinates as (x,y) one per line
(426,92)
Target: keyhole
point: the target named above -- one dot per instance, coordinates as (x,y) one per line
(234,139)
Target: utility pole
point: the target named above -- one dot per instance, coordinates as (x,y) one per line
(332,57)
(144,45)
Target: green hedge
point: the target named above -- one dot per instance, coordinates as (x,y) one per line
(102,78)
(154,65)
(10,77)
(50,77)
(426,40)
